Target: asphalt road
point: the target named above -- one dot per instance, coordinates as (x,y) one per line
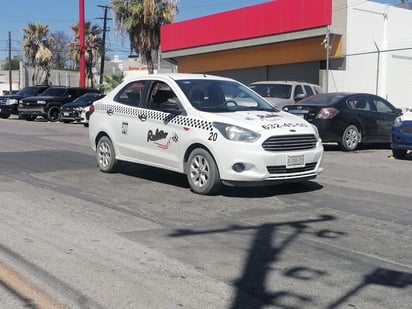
(71,236)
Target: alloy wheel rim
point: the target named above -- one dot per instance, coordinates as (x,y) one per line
(199,171)
(352,138)
(104,155)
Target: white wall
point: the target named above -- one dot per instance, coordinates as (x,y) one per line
(371,27)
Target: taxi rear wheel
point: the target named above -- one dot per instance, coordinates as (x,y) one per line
(106,156)
(202,173)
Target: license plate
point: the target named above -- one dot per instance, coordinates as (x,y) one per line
(295,161)
(66,114)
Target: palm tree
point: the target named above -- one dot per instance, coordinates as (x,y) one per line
(142,20)
(93,45)
(36,43)
(110,82)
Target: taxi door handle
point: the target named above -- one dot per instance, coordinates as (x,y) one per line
(109,112)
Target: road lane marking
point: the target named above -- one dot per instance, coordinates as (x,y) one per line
(26,290)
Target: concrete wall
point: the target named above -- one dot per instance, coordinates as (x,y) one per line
(378,53)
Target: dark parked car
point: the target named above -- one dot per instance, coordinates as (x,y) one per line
(348,118)
(9,102)
(73,111)
(49,102)
(402,135)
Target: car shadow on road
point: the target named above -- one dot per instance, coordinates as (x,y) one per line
(273,190)
(179,180)
(361,148)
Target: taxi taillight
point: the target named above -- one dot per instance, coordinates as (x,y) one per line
(91,109)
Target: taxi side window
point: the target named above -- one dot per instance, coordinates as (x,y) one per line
(131,94)
(159,94)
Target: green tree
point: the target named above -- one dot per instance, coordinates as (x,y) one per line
(142,20)
(36,42)
(93,46)
(14,64)
(110,82)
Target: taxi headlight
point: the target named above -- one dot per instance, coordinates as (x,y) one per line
(398,121)
(12,101)
(235,133)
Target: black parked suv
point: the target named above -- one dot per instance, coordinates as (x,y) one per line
(49,102)
(9,103)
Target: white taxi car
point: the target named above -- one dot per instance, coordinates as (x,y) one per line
(215,130)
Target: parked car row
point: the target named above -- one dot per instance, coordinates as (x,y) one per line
(50,102)
(348,119)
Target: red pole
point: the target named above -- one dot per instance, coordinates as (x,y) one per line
(81,34)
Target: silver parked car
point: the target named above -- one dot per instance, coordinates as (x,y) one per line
(281,93)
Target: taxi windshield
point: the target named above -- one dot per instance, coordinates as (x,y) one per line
(222,96)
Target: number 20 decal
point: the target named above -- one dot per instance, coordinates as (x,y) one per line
(212,136)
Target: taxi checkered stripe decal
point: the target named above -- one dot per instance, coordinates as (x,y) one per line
(157,115)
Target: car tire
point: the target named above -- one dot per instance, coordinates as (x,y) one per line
(106,155)
(53,114)
(86,125)
(399,153)
(202,172)
(4,116)
(351,138)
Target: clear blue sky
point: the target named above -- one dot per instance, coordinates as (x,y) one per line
(60,14)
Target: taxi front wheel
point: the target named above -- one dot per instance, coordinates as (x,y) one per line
(105,155)
(202,172)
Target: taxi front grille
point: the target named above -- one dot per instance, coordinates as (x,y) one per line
(281,169)
(290,142)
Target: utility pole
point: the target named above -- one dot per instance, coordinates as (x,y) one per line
(103,51)
(10,77)
(81,46)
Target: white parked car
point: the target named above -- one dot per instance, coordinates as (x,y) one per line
(281,93)
(213,129)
